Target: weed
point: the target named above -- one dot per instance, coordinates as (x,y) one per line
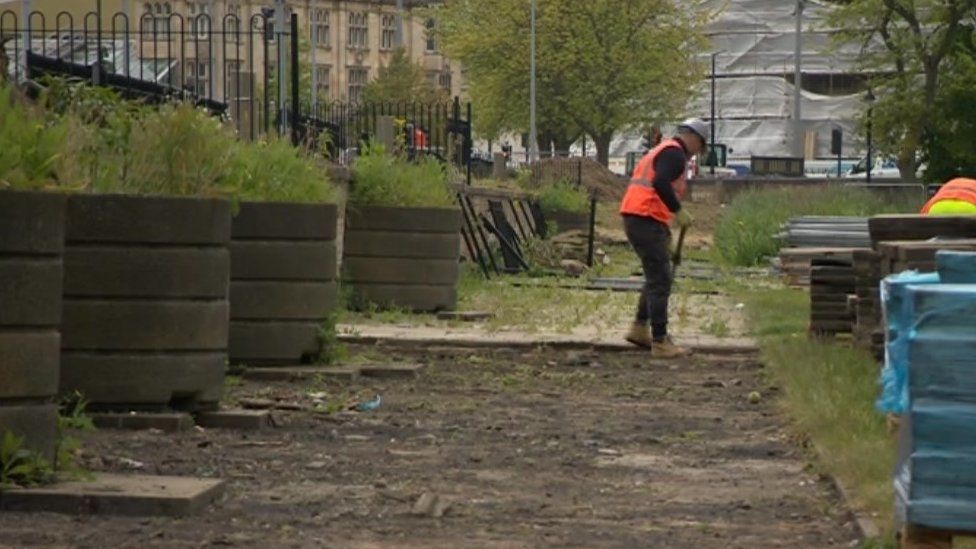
(73,413)
(32,150)
(564,196)
(233,381)
(20,466)
(718,327)
(274,170)
(382,179)
(746,231)
(332,351)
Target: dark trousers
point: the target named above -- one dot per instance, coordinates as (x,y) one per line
(652,242)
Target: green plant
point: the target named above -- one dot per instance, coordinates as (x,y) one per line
(564,196)
(20,466)
(745,234)
(175,150)
(274,170)
(32,150)
(382,179)
(73,413)
(332,350)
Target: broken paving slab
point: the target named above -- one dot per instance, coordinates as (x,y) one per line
(143,421)
(110,494)
(465,316)
(391,371)
(302,373)
(237,420)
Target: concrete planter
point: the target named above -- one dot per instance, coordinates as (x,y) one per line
(568,221)
(403,257)
(283,281)
(31,246)
(145,301)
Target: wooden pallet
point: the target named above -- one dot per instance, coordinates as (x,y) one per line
(918,537)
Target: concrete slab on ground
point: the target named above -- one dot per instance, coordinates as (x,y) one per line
(465,316)
(108,494)
(391,371)
(426,335)
(301,373)
(237,420)
(143,421)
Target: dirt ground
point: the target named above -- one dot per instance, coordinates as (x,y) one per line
(545,448)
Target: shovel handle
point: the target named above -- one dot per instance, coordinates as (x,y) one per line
(676,258)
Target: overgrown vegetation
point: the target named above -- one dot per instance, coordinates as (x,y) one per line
(83,138)
(745,234)
(828,391)
(564,196)
(384,179)
(21,466)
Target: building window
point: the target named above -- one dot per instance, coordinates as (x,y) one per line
(155,21)
(322,73)
(232,23)
(388,38)
(445,81)
(358,30)
(198,77)
(199,17)
(320,27)
(357,81)
(431,39)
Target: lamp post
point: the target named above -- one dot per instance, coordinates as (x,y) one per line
(533,132)
(712,155)
(869,99)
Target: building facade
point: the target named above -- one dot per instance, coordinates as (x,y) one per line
(344,43)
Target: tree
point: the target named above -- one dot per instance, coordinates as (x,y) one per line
(949,146)
(402,81)
(907,46)
(602,65)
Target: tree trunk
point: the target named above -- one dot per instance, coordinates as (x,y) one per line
(603,148)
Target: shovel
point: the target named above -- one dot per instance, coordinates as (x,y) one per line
(676,256)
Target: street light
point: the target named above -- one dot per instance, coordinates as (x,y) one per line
(869,99)
(712,156)
(533,135)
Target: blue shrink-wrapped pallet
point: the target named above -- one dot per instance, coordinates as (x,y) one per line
(956,267)
(935,479)
(894,375)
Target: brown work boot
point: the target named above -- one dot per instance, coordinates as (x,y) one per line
(640,335)
(666,348)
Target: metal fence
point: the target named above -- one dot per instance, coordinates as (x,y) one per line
(247,69)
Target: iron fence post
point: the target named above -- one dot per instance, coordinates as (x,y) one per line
(590,239)
(295,138)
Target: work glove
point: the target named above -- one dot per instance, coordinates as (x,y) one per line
(683,218)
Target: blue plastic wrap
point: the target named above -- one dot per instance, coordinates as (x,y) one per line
(956,267)
(935,480)
(894,375)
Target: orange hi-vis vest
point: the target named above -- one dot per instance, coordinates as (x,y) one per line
(641,199)
(957,189)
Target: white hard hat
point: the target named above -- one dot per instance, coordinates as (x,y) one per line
(698,127)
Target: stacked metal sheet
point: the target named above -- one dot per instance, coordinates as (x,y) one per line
(826,232)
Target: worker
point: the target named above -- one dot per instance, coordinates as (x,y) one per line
(957,197)
(650,205)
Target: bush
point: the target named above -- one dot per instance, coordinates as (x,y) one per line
(564,196)
(176,150)
(275,171)
(32,150)
(381,179)
(746,231)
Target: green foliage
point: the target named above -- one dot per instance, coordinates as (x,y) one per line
(382,179)
(274,170)
(332,351)
(32,150)
(402,80)
(20,466)
(175,150)
(602,65)
(745,234)
(73,413)
(564,196)
(949,147)
(920,40)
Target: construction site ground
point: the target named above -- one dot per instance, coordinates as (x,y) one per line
(501,448)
